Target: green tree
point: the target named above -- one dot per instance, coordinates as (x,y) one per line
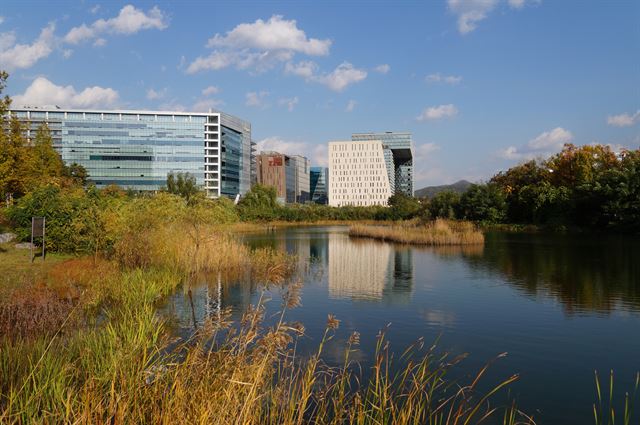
(183,184)
(259,203)
(483,202)
(444,205)
(403,207)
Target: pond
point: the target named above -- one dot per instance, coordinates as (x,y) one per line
(561,306)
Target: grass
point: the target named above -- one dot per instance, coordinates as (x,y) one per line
(81,342)
(437,233)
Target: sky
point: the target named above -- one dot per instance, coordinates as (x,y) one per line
(481,84)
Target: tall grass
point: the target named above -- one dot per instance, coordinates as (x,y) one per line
(604,411)
(439,232)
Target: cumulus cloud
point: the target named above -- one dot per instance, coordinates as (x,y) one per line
(156,94)
(259,45)
(256,99)
(624,120)
(317,154)
(545,144)
(351,106)
(210,91)
(341,77)
(274,34)
(304,69)
(435,113)
(471,12)
(446,79)
(424,151)
(290,103)
(129,21)
(43,92)
(204,105)
(16,56)
(382,69)
(100,42)
(1,19)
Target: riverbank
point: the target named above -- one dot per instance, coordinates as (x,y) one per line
(82,342)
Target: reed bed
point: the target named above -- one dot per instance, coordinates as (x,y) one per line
(437,233)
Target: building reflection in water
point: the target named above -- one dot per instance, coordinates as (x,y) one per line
(368,270)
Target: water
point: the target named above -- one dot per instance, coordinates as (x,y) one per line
(562,306)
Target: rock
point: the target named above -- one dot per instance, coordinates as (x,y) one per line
(23,245)
(7,237)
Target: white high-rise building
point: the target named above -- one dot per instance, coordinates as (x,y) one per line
(358,174)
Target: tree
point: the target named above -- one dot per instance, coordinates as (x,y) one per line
(183,184)
(403,207)
(259,203)
(76,173)
(444,205)
(483,202)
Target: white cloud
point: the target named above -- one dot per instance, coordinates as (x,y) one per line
(210,91)
(66,53)
(1,19)
(256,99)
(382,69)
(304,69)
(43,92)
(289,102)
(470,12)
(341,77)
(624,120)
(439,78)
(259,45)
(545,144)
(351,106)
(280,145)
(424,151)
(435,113)
(156,94)
(317,154)
(274,34)
(100,42)
(204,105)
(94,9)
(129,21)
(17,56)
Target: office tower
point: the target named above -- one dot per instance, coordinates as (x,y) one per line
(288,174)
(398,149)
(137,149)
(358,174)
(319,178)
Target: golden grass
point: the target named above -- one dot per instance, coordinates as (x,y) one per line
(438,233)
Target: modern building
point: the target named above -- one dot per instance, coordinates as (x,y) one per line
(137,149)
(319,187)
(398,150)
(302,180)
(288,174)
(358,174)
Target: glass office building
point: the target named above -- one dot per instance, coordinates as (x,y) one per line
(137,149)
(319,184)
(398,154)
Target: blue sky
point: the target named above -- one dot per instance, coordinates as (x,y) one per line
(481,84)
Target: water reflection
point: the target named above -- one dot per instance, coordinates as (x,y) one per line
(368,270)
(585,273)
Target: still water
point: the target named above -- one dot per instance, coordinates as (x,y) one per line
(561,306)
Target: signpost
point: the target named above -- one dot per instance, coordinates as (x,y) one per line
(38,226)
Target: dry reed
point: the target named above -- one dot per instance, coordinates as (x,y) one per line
(438,233)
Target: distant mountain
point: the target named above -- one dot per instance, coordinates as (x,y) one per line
(431,191)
